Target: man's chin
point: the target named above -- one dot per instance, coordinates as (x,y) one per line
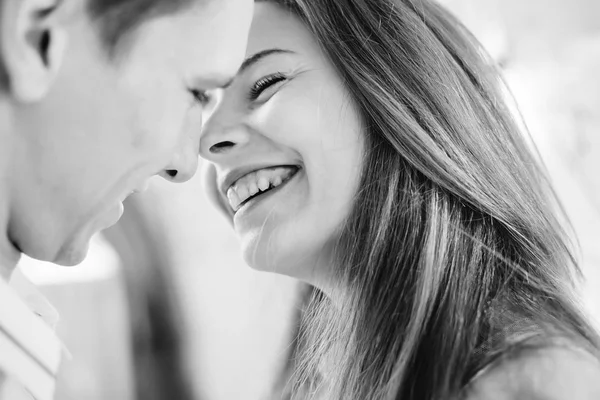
(72,255)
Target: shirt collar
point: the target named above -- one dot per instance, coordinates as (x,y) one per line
(33,298)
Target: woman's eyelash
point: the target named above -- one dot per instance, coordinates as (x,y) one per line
(264,83)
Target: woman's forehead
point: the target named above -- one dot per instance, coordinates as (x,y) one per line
(275,26)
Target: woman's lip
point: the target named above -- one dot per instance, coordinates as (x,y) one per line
(284,174)
(263,196)
(231,177)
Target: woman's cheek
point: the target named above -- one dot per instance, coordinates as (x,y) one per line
(293,115)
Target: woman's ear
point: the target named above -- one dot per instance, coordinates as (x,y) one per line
(32,44)
(209,180)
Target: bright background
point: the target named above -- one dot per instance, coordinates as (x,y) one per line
(232,326)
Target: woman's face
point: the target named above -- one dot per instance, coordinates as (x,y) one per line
(285,144)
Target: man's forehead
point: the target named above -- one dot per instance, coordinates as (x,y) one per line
(202,45)
(214,81)
(193,33)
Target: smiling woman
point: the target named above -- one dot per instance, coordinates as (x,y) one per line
(286,120)
(407,194)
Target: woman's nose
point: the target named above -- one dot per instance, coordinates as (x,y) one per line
(218,142)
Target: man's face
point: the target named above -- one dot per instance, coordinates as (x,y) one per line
(106,127)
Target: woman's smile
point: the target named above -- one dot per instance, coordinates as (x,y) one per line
(264,205)
(255,185)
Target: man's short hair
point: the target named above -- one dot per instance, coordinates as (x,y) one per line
(117,18)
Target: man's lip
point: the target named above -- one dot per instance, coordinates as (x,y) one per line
(143,187)
(139,189)
(229,178)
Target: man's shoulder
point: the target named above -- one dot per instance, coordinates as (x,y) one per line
(553,373)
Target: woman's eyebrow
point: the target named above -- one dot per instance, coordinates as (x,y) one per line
(248,62)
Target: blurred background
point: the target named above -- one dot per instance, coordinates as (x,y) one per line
(164,307)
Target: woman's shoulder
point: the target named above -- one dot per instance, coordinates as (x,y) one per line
(551,373)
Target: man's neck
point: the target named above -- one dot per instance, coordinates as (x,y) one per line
(9,258)
(9,255)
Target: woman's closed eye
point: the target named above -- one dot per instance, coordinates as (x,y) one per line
(265,85)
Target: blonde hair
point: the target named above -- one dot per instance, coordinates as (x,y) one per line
(453,254)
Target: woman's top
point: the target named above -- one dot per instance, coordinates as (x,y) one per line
(551,373)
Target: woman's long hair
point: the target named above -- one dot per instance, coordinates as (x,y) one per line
(453,255)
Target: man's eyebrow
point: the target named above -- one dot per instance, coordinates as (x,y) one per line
(248,62)
(226,84)
(212,82)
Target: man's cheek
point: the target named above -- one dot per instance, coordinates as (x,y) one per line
(161,128)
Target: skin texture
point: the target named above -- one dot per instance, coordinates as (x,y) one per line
(308,120)
(82,131)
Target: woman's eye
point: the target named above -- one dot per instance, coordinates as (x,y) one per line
(200,96)
(263,84)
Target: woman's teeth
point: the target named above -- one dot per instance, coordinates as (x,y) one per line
(257,182)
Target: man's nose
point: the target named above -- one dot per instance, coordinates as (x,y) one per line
(184,164)
(181,171)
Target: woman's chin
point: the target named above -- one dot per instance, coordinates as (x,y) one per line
(297,264)
(259,259)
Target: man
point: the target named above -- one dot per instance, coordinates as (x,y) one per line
(97,97)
